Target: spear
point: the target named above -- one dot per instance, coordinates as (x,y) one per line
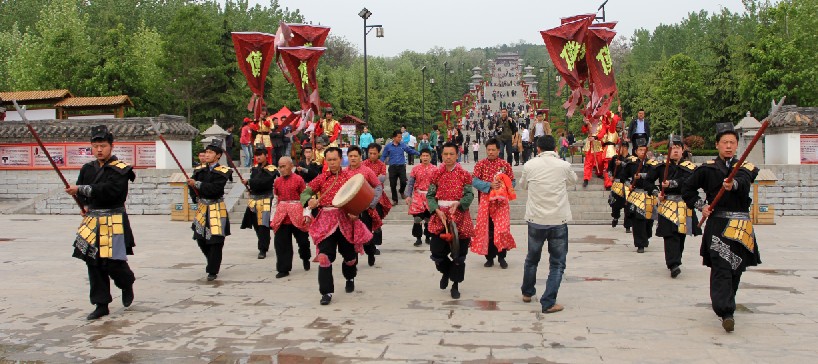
(232,165)
(36,136)
(155,128)
(729,180)
(667,163)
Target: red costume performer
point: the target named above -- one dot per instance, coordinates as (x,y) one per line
(263,128)
(334,229)
(379,168)
(610,138)
(416,189)
(493,233)
(288,222)
(371,218)
(595,130)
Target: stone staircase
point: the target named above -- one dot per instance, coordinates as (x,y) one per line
(589,206)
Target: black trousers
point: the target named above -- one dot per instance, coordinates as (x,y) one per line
(283,245)
(616,211)
(475,157)
(377,236)
(674,246)
(397,171)
(411,159)
(100,274)
(213,254)
(641,232)
(516,156)
(723,288)
(493,248)
(507,151)
(419,229)
(263,234)
(453,267)
(349,268)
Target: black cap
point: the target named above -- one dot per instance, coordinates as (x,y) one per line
(100,132)
(641,142)
(725,128)
(623,144)
(676,140)
(215,145)
(328,111)
(260,148)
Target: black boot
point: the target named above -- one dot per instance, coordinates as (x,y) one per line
(503,263)
(489,263)
(127,296)
(455,292)
(101,310)
(675,271)
(325,299)
(350,287)
(371,260)
(282,274)
(614,222)
(418,242)
(444,281)
(585,183)
(262,255)
(306,264)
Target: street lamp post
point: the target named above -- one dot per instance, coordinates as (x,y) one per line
(365,14)
(445,83)
(423,97)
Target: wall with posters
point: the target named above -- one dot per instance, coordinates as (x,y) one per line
(809,148)
(73,155)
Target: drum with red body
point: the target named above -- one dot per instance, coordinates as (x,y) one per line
(354,196)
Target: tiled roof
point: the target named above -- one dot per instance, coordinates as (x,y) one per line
(22,96)
(95,101)
(136,128)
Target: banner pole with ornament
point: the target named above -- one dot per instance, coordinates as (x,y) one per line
(254,52)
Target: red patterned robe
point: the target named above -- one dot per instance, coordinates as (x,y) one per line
(289,209)
(326,185)
(379,167)
(498,209)
(423,177)
(450,186)
(373,181)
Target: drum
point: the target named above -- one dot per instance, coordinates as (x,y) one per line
(354,196)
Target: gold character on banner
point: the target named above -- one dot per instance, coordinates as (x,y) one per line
(604,58)
(254,59)
(571,52)
(305,79)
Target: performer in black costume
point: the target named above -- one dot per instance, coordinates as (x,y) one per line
(641,199)
(728,243)
(257,216)
(104,239)
(619,189)
(676,220)
(211,224)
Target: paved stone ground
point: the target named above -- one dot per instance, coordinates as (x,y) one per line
(620,306)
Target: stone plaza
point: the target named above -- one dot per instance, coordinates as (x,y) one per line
(620,306)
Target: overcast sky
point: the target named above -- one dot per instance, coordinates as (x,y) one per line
(420,25)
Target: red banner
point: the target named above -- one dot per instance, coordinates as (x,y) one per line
(457,106)
(600,69)
(302,62)
(254,52)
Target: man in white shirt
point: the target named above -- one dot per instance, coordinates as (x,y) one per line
(413,143)
(526,139)
(547,178)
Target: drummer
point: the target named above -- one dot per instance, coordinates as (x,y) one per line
(384,204)
(415,196)
(450,194)
(370,217)
(288,221)
(333,229)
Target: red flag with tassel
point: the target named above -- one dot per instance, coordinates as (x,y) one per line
(254,52)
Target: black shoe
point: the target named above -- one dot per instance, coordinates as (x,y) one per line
(614,222)
(371,260)
(262,255)
(394,202)
(675,272)
(489,263)
(503,263)
(728,323)
(640,250)
(418,242)
(350,287)
(211,277)
(101,310)
(584,183)
(306,264)
(444,281)
(282,274)
(377,251)
(627,230)
(607,188)
(455,292)
(127,296)
(325,299)
(428,240)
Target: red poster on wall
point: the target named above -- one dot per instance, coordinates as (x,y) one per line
(28,156)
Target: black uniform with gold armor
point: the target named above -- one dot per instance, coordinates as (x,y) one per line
(619,189)
(641,200)
(211,224)
(676,220)
(104,239)
(728,243)
(258,213)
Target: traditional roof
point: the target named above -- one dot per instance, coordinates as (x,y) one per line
(349,119)
(794,119)
(83,102)
(29,96)
(76,130)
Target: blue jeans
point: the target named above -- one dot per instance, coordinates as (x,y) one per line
(557,237)
(247,149)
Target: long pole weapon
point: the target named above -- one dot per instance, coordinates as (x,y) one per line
(667,166)
(759,133)
(45,151)
(173,155)
(233,165)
